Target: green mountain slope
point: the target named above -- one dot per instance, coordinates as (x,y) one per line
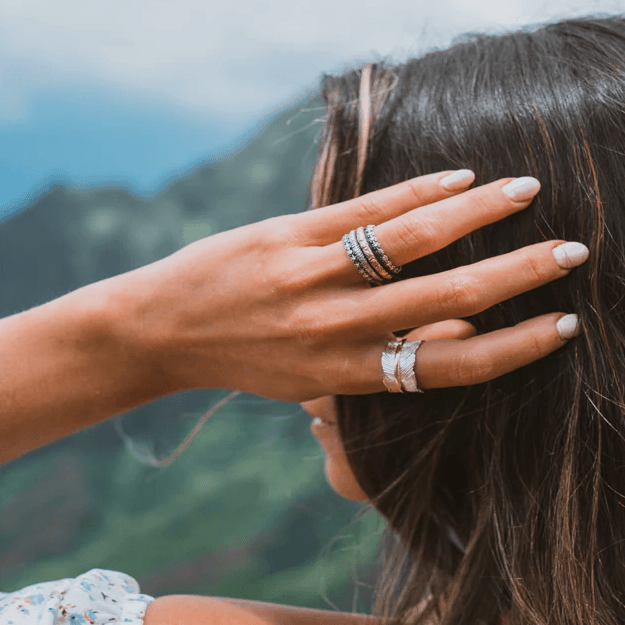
(245,511)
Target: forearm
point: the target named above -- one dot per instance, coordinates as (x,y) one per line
(61,370)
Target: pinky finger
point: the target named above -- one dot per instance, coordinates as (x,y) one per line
(463,362)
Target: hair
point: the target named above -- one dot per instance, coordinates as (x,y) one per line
(526,470)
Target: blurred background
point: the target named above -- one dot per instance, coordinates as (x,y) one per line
(129,129)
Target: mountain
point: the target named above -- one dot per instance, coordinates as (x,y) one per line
(69,238)
(245,511)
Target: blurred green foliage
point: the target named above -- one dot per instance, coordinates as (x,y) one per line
(245,511)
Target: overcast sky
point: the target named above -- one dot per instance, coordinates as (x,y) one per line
(138,90)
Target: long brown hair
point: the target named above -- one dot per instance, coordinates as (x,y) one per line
(502,499)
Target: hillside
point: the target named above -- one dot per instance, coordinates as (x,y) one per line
(245,511)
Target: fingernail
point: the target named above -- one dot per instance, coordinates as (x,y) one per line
(568,327)
(522,188)
(458,180)
(570,254)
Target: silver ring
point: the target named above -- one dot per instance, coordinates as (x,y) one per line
(373,278)
(407,359)
(398,364)
(348,247)
(393,385)
(367,251)
(377,250)
(367,256)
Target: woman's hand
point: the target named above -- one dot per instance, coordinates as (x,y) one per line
(277,308)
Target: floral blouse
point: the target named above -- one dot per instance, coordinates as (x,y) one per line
(93,598)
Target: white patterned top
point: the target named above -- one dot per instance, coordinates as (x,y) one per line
(93,598)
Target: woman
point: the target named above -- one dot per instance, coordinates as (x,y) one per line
(285,309)
(507,497)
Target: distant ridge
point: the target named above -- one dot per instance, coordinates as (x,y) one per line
(69,238)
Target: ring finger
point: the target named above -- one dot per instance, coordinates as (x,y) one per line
(461,362)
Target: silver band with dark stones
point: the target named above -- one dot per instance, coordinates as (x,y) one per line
(377,250)
(347,244)
(374,278)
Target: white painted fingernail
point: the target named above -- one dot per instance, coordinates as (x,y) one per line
(570,254)
(458,180)
(522,188)
(568,327)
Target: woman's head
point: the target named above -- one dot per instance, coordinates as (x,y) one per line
(527,469)
(337,468)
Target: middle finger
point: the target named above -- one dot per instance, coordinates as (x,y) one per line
(456,293)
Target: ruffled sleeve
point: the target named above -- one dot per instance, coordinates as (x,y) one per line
(93,598)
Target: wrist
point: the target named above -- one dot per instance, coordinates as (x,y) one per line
(111,313)
(151,314)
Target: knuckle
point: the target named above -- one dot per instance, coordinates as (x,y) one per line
(277,231)
(404,234)
(287,283)
(315,329)
(318,342)
(308,330)
(417,192)
(344,374)
(337,378)
(418,233)
(483,370)
(265,232)
(370,209)
(534,269)
(472,368)
(288,273)
(461,369)
(461,295)
(535,347)
(260,243)
(480,205)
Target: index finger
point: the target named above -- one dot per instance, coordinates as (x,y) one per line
(326,225)
(421,232)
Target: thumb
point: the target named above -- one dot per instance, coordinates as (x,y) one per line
(448,329)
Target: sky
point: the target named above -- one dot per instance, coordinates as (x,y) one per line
(138,92)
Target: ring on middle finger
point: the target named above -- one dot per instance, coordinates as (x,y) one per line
(368,252)
(356,255)
(368,257)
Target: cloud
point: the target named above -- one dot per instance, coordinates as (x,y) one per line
(237,59)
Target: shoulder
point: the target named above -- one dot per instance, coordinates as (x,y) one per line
(198,610)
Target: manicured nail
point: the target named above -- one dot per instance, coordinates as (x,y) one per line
(570,254)
(522,188)
(568,327)
(458,180)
